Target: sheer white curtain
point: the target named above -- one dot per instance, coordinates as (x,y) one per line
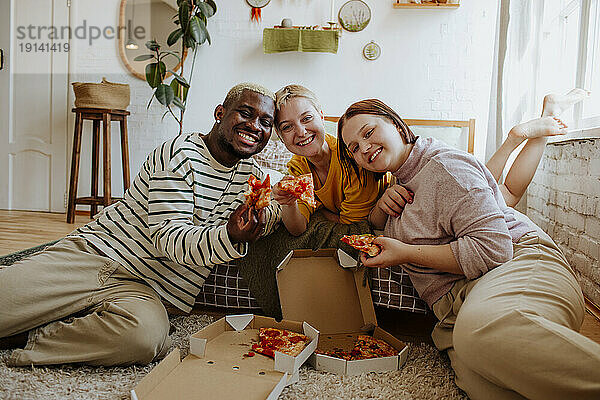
(516,68)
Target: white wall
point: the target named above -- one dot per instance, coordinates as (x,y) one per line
(434,64)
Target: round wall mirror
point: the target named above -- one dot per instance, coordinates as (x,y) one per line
(141,21)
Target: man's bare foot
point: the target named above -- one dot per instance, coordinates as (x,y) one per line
(556,104)
(539,127)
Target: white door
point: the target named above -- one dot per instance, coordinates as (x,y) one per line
(33,105)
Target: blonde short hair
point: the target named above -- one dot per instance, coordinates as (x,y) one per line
(291,91)
(235,92)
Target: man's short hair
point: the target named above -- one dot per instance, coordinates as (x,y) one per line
(235,92)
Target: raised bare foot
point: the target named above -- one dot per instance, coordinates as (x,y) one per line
(539,127)
(556,104)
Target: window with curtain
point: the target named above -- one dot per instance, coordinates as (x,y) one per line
(570,56)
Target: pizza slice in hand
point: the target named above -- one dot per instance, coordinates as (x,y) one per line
(363,243)
(259,193)
(284,341)
(301,187)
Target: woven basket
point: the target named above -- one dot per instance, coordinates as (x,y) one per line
(109,95)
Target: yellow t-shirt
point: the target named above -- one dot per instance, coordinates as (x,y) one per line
(339,194)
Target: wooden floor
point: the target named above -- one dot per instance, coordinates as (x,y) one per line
(23,229)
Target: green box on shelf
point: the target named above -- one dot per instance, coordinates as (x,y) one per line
(279,40)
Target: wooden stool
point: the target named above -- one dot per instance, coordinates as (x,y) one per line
(106,116)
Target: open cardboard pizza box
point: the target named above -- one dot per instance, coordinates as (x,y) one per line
(217,369)
(326,289)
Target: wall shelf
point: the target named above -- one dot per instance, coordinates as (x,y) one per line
(426,5)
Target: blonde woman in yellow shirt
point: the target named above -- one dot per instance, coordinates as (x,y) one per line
(343,204)
(340,197)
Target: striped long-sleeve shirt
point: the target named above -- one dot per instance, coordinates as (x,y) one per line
(170,228)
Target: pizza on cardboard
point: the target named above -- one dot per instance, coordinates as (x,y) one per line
(292,343)
(322,299)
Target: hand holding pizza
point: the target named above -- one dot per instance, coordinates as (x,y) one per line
(298,188)
(284,197)
(246,224)
(259,193)
(394,199)
(392,252)
(363,243)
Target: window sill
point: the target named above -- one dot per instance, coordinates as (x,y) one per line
(577,134)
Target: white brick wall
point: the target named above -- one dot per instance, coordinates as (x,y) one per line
(564,200)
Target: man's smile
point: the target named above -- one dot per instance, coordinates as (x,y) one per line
(249,138)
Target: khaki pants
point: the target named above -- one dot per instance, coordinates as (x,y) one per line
(511,334)
(79,306)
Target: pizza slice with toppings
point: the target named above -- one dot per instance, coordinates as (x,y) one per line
(284,341)
(259,193)
(365,347)
(336,352)
(369,347)
(302,187)
(363,243)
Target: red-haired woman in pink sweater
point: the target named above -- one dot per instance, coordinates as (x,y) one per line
(507,300)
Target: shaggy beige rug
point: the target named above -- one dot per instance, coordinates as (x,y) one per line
(426,375)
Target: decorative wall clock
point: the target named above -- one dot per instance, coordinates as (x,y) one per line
(256,6)
(371,51)
(354,15)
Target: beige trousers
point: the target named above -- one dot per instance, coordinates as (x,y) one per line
(511,334)
(79,306)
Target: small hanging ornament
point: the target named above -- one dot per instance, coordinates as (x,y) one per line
(255,14)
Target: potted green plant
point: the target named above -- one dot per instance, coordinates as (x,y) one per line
(191,32)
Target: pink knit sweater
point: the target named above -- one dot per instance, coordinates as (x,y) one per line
(456,201)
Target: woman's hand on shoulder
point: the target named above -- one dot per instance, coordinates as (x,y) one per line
(282,197)
(393,252)
(394,199)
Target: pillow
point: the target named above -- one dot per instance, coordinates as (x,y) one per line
(274,156)
(275,176)
(330,128)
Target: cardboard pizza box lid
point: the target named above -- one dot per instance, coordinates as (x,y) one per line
(216,368)
(325,289)
(191,378)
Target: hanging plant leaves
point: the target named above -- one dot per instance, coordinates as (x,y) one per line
(155,72)
(197,30)
(191,31)
(178,103)
(180,79)
(170,53)
(213,5)
(174,37)
(164,94)
(206,9)
(144,57)
(184,14)
(189,41)
(179,90)
(152,45)
(203,20)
